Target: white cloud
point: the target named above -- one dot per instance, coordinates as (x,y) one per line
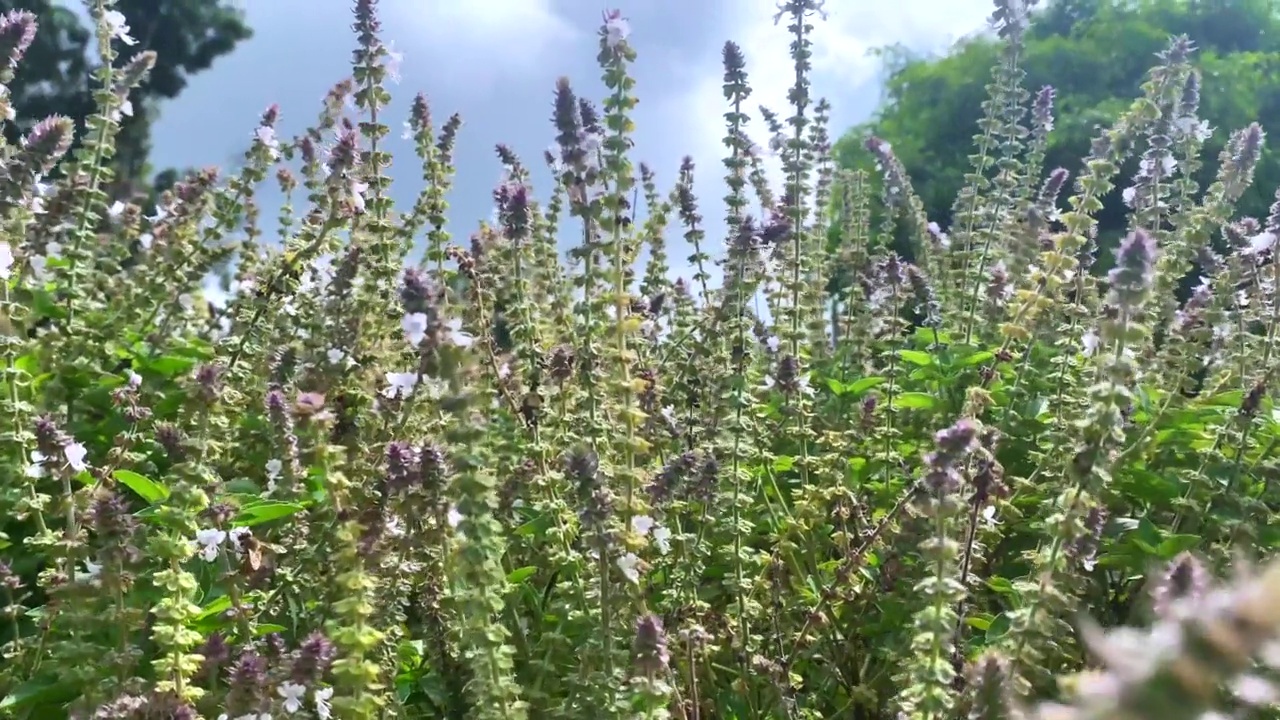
(482,41)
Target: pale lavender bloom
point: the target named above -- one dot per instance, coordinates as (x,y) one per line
(629,564)
(293,694)
(415,328)
(75,454)
(399,385)
(394,60)
(616,29)
(118,26)
(210,541)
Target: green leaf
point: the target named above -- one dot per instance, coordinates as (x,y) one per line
(916,357)
(980,622)
(38,691)
(783,463)
(265,511)
(857,387)
(837,388)
(242,486)
(998,627)
(1001,585)
(519,575)
(213,607)
(268,628)
(145,487)
(1174,544)
(170,365)
(975,359)
(915,400)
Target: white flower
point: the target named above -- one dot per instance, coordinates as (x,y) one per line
(135,380)
(936,231)
(642,524)
(1255,690)
(392,64)
(145,240)
(186,301)
(75,454)
(1090,342)
(6,260)
(125,110)
(1191,127)
(335,355)
(92,573)
(116,210)
(393,527)
(36,468)
(266,135)
(1167,165)
(1260,243)
(293,694)
(321,696)
(629,564)
(662,538)
(1128,194)
(590,144)
(458,335)
(454,517)
(805,387)
(210,540)
(415,328)
(400,384)
(989,515)
(118,26)
(616,30)
(358,189)
(274,467)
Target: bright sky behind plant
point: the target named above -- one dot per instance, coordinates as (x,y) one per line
(496,61)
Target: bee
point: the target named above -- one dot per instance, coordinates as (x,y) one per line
(252,549)
(308,404)
(531,407)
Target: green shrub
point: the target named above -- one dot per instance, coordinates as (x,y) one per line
(487,482)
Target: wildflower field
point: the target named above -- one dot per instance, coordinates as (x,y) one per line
(882,469)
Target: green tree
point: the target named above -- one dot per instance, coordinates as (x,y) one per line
(187,35)
(1095,53)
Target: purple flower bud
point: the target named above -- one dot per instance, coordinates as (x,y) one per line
(1135,267)
(672,478)
(650,646)
(208,379)
(248,680)
(313,659)
(1185,577)
(1042,110)
(420,114)
(401,466)
(47,142)
(17,30)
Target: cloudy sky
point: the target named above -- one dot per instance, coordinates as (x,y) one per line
(496,62)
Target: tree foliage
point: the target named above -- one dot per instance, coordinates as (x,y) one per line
(1095,54)
(187,36)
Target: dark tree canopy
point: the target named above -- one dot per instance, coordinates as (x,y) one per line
(187,36)
(1096,54)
